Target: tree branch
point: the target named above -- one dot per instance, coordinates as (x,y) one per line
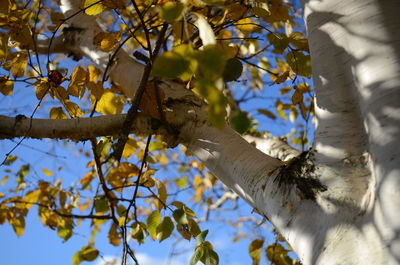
(75,129)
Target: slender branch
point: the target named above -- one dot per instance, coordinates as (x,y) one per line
(132,112)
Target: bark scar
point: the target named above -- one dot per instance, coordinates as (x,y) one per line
(299,172)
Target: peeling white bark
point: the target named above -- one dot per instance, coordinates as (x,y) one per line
(356,69)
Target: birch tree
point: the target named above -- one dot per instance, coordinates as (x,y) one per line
(166,68)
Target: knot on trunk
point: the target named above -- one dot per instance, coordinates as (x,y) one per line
(299,172)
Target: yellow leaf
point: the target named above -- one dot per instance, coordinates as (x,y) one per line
(17,65)
(93,74)
(6,85)
(77,85)
(130,148)
(246,25)
(255,250)
(113,236)
(18,224)
(107,41)
(57,113)
(1,195)
(47,172)
(279,110)
(4,180)
(93,7)
(109,104)
(31,198)
(42,87)
(72,109)
(197,180)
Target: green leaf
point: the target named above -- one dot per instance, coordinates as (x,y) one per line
(65,232)
(158,145)
(164,230)
(180,216)
(197,255)
(233,70)
(76,259)
(170,65)
(89,253)
(255,250)
(201,237)
(101,205)
(300,63)
(211,257)
(240,121)
(172,11)
(153,220)
(211,61)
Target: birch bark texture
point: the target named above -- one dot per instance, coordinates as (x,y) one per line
(352,214)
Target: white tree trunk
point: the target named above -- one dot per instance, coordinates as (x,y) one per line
(356,69)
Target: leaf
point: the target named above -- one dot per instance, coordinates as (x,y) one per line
(181,182)
(18,65)
(109,104)
(92,8)
(261,9)
(162,195)
(113,236)
(164,230)
(65,232)
(101,205)
(206,33)
(194,228)
(72,109)
(255,250)
(279,110)
(42,87)
(88,253)
(130,148)
(76,87)
(47,172)
(6,85)
(233,70)
(157,145)
(267,113)
(246,26)
(279,41)
(172,11)
(240,121)
(153,220)
(197,255)
(216,101)
(201,237)
(299,63)
(57,113)
(170,65)
(297,97)
(180,216)
(299,41)
(18,224)
(107,41)
(277,254)
(236,11)
(212,60)
(9,160)
(31,197)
